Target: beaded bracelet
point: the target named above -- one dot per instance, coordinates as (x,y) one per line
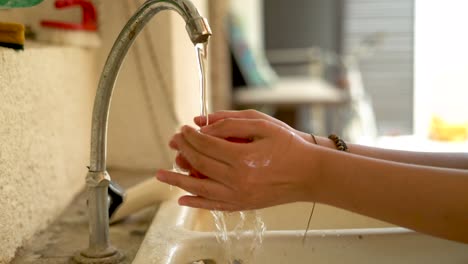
(339,143)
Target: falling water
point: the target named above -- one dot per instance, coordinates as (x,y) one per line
(249,223)
(202,57)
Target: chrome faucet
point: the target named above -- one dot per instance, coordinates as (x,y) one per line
(97,180)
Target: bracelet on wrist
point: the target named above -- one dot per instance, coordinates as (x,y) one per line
(339,143)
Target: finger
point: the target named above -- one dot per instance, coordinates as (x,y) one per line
(213,147)
(219,115)
(241,128)
(206,187)
(206,165)
(182,163)
(205,203)
(173,143)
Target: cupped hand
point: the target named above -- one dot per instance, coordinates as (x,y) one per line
(276,167)
(243,114)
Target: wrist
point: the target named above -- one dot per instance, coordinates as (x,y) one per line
(311,171)
(305,136)
(317,140)
(325,142)
(324,179)
(323,163)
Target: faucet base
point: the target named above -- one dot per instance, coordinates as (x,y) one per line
(113,257)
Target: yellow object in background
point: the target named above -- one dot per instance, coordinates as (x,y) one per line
(12,35)
(444,130)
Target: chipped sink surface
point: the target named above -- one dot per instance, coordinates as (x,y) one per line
(185,235)
(68,234)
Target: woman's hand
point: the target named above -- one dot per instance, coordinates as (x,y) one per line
(276,167)
(243,114)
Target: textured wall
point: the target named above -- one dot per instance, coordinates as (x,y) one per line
(45,107)
(46,97)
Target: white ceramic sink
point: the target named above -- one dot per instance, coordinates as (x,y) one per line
(284,248)
(292,217)
(183,235)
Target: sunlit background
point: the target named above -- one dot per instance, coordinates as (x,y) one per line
(402,65)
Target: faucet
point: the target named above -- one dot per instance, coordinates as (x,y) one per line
(97,179)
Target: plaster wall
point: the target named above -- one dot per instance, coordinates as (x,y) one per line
(45,110)
(46,100)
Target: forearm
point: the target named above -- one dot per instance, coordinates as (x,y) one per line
(427,199)
(444,160)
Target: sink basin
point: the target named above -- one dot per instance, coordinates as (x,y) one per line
(292,217)
(348,247)
(185,235)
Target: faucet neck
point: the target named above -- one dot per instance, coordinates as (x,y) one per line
(98,180)
(198,30)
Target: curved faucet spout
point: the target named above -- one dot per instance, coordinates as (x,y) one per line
(97,179)
(199,32)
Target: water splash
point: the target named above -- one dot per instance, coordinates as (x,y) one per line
(242,240)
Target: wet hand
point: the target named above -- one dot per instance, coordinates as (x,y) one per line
(272,169)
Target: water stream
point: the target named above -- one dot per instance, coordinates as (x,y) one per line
(249,225)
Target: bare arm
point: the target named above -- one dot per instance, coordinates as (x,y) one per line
(444,160)
(427,199)
(432,200)
(427,192)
